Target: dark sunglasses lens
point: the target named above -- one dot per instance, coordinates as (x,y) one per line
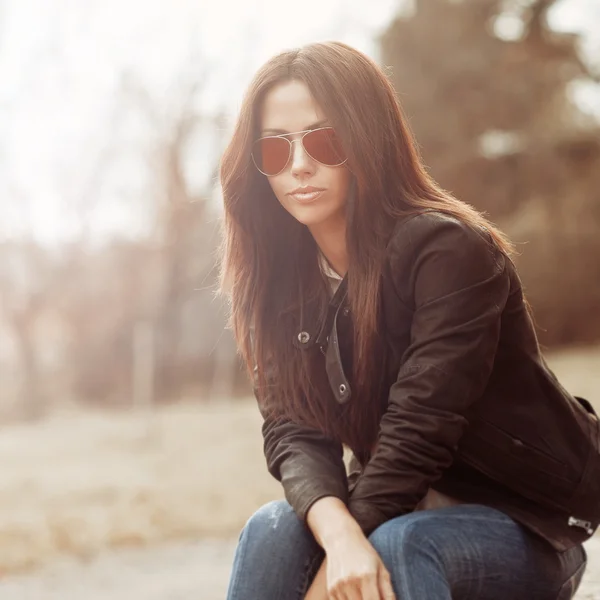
(271,155)
(324,146)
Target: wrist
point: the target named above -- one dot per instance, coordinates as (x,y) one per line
(331,523)
(341,538)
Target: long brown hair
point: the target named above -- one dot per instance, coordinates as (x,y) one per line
(269,268)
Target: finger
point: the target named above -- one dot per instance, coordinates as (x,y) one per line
(369,589)
(386,591)
(335,593)
(352,592)
(346,590)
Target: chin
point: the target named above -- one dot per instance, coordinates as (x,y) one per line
(311,214)
(310,220)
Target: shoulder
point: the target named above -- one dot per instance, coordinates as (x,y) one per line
(435,232)
(431,226)
(439,254)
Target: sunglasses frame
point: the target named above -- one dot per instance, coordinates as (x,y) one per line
(305,132)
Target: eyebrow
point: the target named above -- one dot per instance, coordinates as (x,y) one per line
(283,131)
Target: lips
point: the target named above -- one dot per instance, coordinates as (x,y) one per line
(306,194)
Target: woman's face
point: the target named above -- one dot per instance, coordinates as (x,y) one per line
(289,108)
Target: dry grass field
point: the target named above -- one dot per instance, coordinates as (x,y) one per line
(81,483)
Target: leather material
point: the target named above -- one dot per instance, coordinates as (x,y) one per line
(473,411)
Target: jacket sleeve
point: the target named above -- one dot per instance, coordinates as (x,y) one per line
(308,464)
(455,282)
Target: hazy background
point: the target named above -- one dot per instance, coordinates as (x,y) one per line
(126,417)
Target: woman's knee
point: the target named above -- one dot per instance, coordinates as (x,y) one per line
(404,537)
(273,517)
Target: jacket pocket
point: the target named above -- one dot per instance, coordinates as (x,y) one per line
(519,466)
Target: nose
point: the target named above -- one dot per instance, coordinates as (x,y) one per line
(302,163)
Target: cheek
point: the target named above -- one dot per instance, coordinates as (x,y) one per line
(342,182)
(278,186)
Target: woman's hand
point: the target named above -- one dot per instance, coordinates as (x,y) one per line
(352,569)
(356,572)
(321,590)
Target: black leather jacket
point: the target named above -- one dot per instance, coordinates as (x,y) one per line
(473,411)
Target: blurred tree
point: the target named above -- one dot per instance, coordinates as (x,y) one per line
(162,279)
(25,280)
(486,86)
(184,236)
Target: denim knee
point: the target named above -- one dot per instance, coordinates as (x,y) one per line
(276,555)
(273,516)
(402,538)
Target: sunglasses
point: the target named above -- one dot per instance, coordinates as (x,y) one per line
(272,154)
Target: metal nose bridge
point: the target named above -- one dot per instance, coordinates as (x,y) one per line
(293,157)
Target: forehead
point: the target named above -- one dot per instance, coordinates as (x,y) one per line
(289,107)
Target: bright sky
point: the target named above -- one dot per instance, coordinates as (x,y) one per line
(61,62)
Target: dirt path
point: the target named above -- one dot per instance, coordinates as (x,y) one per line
(185,571)
(182,571)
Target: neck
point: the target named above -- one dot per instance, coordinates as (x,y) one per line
(332,243)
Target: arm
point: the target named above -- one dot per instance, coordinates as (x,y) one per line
(352,567)
(312,471)
(331,524)
(308,463)
(456,284)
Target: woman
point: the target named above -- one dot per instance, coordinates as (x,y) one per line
(377,312)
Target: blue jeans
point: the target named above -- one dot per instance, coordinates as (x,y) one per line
(465,552)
